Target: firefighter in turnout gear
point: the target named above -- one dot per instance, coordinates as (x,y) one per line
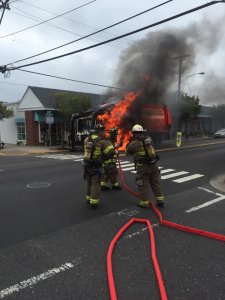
(145,159)
(96,149)
(110,167)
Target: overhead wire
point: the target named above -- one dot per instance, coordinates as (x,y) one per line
(68,79)
(4,68)
(69,11)
(98,31)
(32,17)
(66,18)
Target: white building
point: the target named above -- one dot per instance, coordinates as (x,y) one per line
(12,130)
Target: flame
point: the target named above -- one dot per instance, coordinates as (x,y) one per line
(113,118)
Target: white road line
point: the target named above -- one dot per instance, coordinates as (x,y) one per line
(2,170)
(133,172)
(34,280)
(166,171)
(206,190)
(128,165)
(187,178)
(128,169)
(222,197)
(122,162)
(78,159)
(174,175)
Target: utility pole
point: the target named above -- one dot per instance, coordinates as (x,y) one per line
(3,5)
(177,127)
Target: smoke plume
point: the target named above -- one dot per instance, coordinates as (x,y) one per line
(150,66)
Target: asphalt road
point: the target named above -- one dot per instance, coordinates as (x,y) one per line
(54,246)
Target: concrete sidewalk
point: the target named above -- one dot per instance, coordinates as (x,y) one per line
(19,150)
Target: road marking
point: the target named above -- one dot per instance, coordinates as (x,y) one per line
(201,188)
(174,175)
(34,280)
(221,197)
(187,178)
(126,212)
(124,162)
(128,169)
(166,171)
(128,165)
(2,170)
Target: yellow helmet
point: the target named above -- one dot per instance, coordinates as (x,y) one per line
(138,128)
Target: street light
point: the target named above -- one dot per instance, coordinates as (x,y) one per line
(200,73)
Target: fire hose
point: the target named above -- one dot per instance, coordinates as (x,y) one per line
(162,221)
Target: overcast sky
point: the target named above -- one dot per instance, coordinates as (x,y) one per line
(100,65)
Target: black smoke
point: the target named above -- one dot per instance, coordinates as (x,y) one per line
(150,66)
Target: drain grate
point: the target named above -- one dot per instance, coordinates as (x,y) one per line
(38,185)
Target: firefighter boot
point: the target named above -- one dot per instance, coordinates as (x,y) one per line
(144,203)
(94,202)
(104,186)
(116,186)
(160,201)
(88,199)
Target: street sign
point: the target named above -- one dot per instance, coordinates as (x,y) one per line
(49,120)
(49,113)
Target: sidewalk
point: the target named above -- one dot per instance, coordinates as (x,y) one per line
(19,150)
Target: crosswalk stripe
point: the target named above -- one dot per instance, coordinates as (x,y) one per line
(127,169)
(128,165)
(187,178)
(174,175)
(78,159)
(123,162)
(166,171)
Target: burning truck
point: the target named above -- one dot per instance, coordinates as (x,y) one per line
(123,113)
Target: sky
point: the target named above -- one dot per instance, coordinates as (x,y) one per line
(106,65)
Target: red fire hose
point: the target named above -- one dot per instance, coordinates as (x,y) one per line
(167,223)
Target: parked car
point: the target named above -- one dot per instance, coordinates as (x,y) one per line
(219,134)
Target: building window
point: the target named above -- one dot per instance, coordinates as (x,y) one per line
(21,131)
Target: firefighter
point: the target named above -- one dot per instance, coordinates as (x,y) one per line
(145,159)
(96,149)
(110,167)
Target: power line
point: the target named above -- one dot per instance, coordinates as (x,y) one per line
(68,79)
(47,20)
(4,5)
(53,25)
(100,30)
(3,69)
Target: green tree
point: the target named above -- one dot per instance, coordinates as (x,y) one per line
(68,104)
(5,112)
(190,108)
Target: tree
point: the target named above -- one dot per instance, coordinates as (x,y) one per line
(5,112)
(190,108)
(69,104)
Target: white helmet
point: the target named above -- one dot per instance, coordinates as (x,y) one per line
(137,128)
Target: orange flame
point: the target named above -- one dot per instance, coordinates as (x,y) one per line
(114,117)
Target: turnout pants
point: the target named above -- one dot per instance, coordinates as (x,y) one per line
(93,178)
(149,174)
(111,174)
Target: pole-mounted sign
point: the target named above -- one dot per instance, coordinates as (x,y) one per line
(49,119)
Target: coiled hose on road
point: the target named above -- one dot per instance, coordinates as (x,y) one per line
(162,221)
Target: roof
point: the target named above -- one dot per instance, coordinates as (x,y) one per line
(46,96)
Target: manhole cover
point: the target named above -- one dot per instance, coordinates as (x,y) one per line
(38,185)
